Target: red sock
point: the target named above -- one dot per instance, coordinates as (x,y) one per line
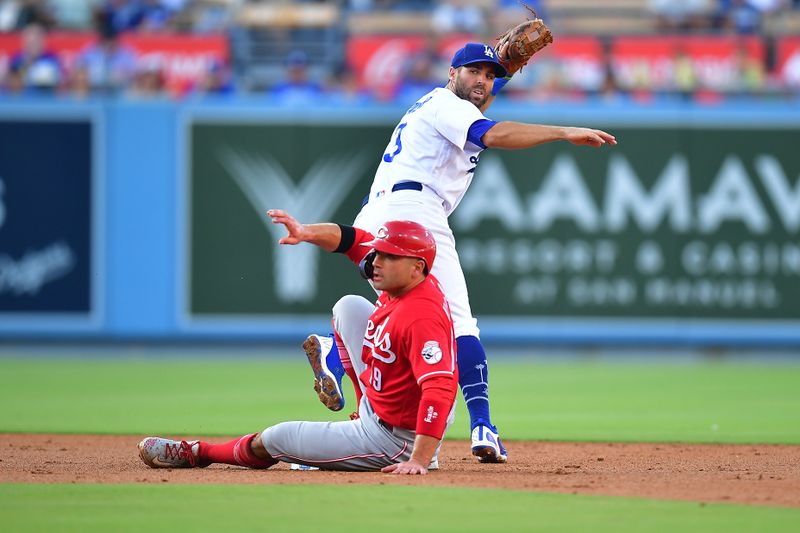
(236,452)
(348,365)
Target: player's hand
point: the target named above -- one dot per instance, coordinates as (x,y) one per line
(410,467)
(296,230)
(589,137)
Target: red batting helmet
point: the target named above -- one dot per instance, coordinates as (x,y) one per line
(406,239)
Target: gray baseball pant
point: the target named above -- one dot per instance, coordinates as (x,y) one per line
(356,445)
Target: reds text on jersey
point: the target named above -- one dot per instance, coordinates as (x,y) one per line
(410,344)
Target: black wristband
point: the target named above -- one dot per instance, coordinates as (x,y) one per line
(348,238)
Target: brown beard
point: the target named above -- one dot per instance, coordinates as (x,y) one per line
(465,93)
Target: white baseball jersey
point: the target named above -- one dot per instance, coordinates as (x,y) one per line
(430,146)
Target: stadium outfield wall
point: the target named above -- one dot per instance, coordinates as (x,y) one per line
(133,220)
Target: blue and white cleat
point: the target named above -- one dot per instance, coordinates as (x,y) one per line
(328,370)
(486,445)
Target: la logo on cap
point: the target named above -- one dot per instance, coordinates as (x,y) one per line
(487,51)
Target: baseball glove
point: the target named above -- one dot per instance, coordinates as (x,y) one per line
(517,46)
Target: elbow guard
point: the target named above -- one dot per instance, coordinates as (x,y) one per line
(365,265)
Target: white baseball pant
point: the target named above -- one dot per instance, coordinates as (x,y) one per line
(425,207)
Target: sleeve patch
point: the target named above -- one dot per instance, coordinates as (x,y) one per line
(431,352)
(430,415)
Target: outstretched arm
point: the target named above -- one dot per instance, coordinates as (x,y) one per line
(516,135)
(326,235)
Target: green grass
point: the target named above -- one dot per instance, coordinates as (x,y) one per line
(687,402)
(387,508)
(690,402)
(579,400)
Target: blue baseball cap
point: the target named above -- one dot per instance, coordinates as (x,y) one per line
(478,53)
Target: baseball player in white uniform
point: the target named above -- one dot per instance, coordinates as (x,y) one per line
(424,173)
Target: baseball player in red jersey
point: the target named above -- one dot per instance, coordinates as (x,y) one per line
(406,366)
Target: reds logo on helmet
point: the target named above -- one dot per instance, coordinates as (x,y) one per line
(407,239)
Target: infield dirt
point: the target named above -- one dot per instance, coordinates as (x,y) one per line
(751,474)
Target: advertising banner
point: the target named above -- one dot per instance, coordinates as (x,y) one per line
(46,218)
(382,61)
(660,63)
(184,58)
(238,172)
(680,223)
(788,61)
(685,62)
(673,223)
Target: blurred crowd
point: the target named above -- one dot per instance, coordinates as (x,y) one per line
(107,65)
(123,15)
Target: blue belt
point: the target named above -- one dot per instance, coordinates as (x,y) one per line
(400,186)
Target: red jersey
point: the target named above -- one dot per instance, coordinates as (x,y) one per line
(409,350)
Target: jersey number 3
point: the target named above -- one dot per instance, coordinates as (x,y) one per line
(398,144)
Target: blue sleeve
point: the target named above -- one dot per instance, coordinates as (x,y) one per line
(499,83)
(476,131)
